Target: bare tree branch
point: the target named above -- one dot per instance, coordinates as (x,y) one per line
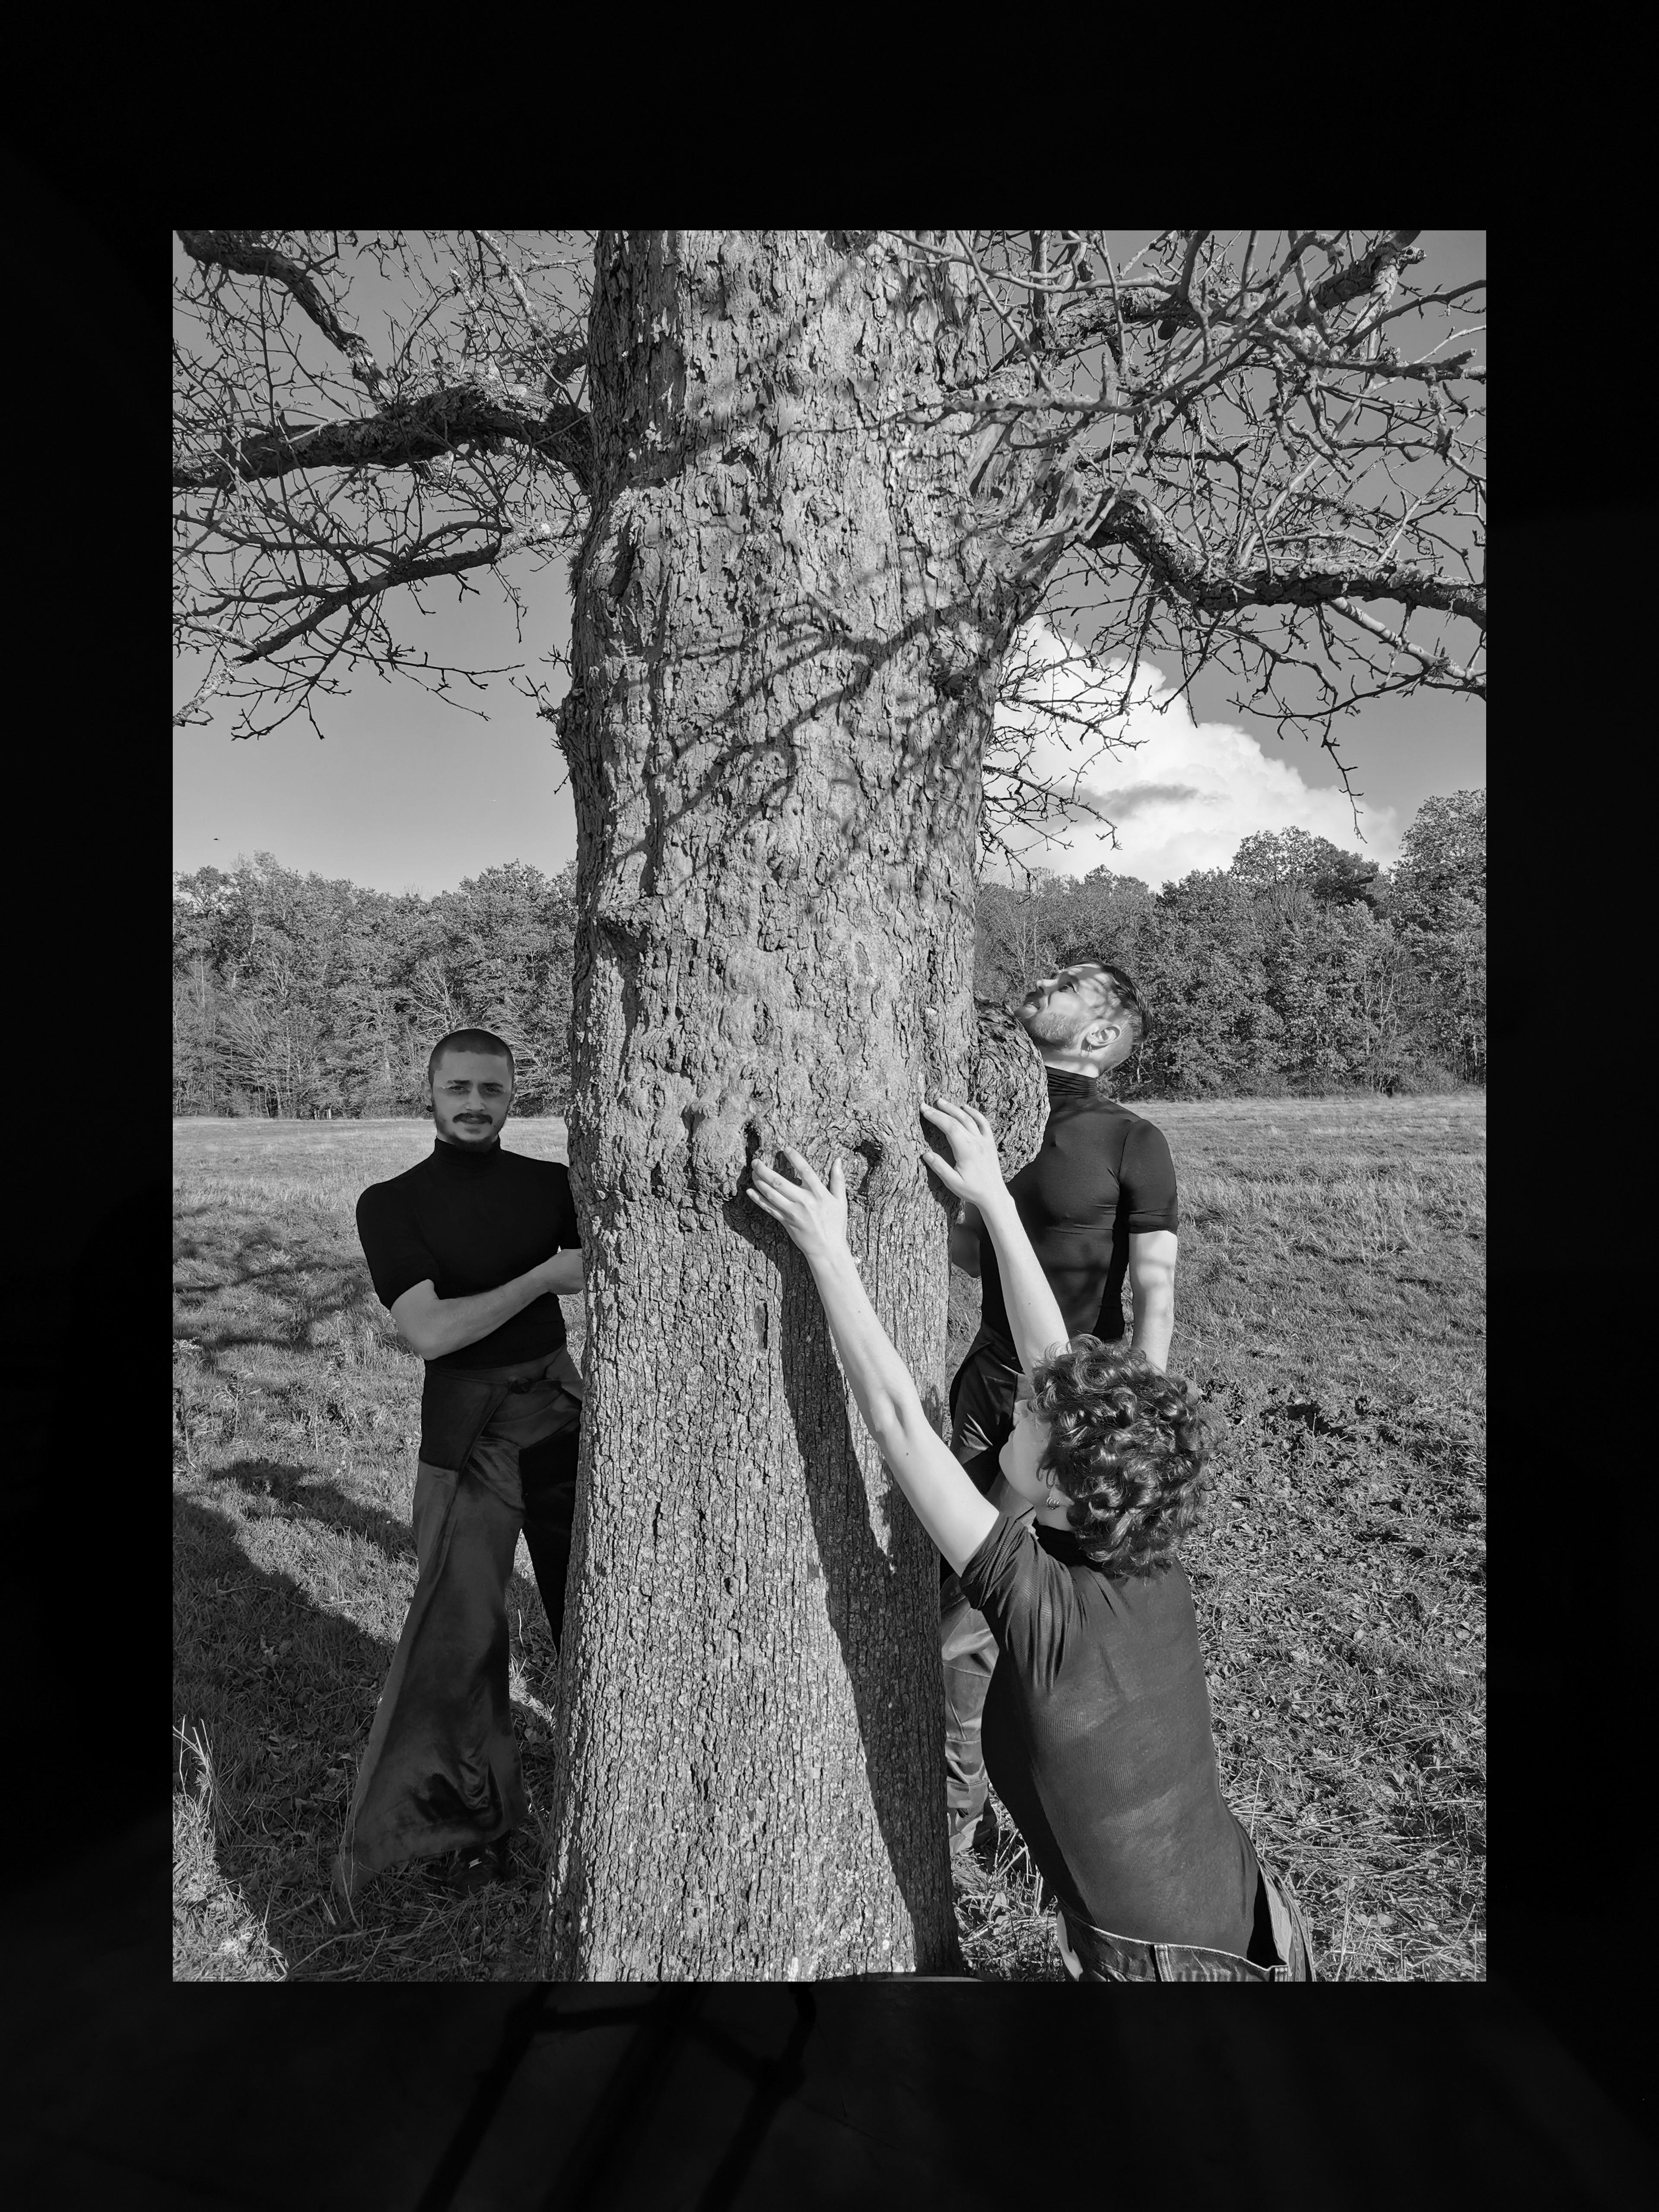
(303,519)
(564,362)
(1135,524)
(369,587)
(1201,453)
(1248,464)
(250,253)
(1364,277)
(402,435)
(1434,658)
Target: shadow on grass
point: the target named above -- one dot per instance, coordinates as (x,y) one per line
(304,1279)
(282,1688)
(299,1493)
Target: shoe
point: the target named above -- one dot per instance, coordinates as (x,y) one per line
(476,1868)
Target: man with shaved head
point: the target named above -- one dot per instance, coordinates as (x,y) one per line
(471,1251)
(1098,1204)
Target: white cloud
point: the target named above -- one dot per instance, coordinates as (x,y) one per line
(1184,799)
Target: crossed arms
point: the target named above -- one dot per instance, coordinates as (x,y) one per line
(433,1326)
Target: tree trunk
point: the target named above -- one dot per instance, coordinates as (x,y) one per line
(1009,1084)
(783,681)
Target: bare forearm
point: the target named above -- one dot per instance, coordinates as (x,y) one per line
(1152,1256)
(814,1213)
(937,1485)
(449,1324)
(881,1382)
(1154,1322)
(1034,1319)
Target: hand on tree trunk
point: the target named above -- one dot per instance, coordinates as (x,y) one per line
(814,1213)
(974,1172)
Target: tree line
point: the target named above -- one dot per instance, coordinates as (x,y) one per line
(1299,967)
(294,995)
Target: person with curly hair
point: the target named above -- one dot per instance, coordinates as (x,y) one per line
(1097,1734)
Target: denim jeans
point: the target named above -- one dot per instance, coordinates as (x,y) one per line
(968,1652)
(981,1413)
(1092,1954)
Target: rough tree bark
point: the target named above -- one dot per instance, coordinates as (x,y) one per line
(1009,1084)
(785,647)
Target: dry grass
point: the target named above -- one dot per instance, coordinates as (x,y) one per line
(215,1937)
(1330,1308)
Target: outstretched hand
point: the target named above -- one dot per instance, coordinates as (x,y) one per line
(814,1213)
(976,1172)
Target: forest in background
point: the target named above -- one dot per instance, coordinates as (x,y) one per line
(1299,968)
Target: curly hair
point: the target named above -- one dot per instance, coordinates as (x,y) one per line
(1129,1446)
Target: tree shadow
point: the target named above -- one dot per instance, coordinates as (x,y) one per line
(297,1490)
(732,781)
(872,1596)
(282,1689)
(303,1491)
(964,630)
(308,1280)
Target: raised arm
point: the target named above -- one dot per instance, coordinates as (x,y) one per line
(975,1174)
(946,1501)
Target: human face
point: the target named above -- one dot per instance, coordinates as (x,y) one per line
(471,1094)
(1059,1007)
(1021,1457)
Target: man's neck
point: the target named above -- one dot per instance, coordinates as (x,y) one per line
(1070,1064)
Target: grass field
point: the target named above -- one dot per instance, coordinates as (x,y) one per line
(1329,1305)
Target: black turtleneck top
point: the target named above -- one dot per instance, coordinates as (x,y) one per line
(1101,1176)
(467,1222)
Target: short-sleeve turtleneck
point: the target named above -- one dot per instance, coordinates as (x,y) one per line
(1101,1174)
(469,1221)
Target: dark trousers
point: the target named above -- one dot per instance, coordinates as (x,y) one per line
(440,1769)
(982,1415)
(547,1475)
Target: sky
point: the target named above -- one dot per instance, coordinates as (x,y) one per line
(1181,792)
(407,792)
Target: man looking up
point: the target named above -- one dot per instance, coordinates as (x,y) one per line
(1098,1204)
(470,1250)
